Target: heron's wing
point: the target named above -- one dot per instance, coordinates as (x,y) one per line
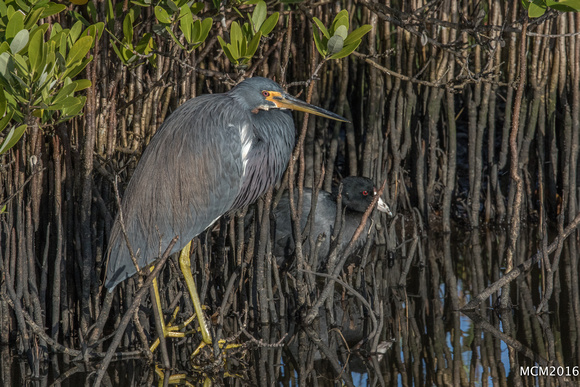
(188,176)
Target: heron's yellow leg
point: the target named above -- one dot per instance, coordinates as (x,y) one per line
(172,331)
(169,330)
(185,265)
(158,302)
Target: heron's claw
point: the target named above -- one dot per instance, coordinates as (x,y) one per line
(170,330)
(222,344)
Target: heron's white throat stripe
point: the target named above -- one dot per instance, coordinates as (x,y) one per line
(246,139)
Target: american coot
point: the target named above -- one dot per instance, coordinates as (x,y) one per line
(357,195)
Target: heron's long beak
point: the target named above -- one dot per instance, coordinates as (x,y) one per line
(286,101)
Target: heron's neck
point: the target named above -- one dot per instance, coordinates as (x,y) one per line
(272,137)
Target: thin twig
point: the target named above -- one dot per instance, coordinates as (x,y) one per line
(354,293)
(120,330)
(313,313)
(520,269)
(36,171)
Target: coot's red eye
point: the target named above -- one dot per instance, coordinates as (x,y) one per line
(365,193)
(265,93)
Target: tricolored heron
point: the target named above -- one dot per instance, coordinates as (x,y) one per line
(215,154)
(357,194)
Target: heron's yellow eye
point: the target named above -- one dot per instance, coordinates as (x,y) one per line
(265,93)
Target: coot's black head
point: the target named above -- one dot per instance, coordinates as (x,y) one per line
(358,193)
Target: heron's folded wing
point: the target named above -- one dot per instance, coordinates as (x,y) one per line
(188,176)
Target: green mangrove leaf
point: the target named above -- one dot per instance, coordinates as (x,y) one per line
(321,27)
(19,41)
(15,25)
(347,50)
(357,34)
(335,44)
(79,49)
(341,31)
(270,23)
(319,45)
(12,138)
(162,15)
(258,16)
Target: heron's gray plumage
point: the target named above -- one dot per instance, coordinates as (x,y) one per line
(266,146)
(213,155)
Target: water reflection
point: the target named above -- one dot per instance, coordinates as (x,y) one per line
(422,338)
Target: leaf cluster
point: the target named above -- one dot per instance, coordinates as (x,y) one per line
(37,67)
(194,29)
(170,16)
(336,42)
(39,63)
(244,40)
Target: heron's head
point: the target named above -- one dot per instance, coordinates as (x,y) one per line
(264,94)
(359,192)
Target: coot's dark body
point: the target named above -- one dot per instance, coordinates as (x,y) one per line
(357,195)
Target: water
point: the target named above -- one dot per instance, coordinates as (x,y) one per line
(423,338)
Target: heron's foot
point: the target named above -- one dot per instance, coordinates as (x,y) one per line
(209,362)
(196,378)
(170,330)
(223,345)
(182,379)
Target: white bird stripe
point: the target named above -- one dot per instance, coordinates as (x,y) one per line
(246,139)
